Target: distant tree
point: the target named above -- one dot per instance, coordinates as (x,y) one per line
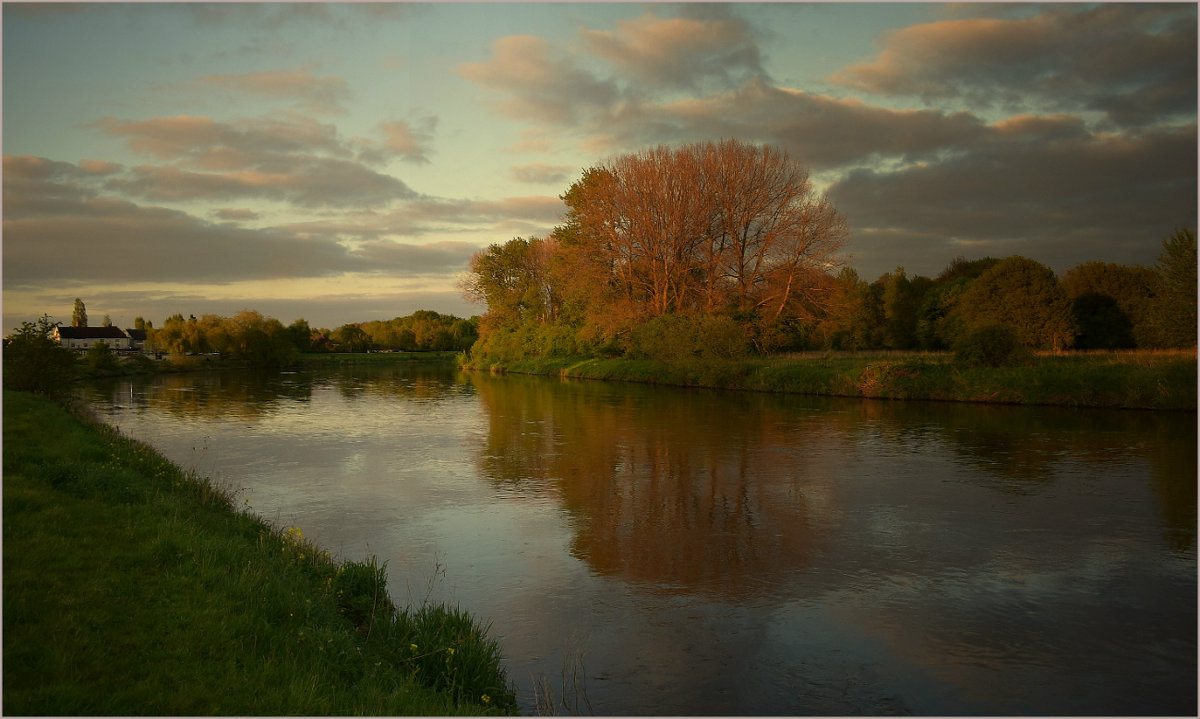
(854,319)
(961,267)
(1025,295)
(79,314)
(1175,306)
(300,335)
(464,332)
(170,337)
(139,323)
(106,322)
(901,299)
(939,324)
(351,338)
(34,362)
(1101,323)
(1126,318)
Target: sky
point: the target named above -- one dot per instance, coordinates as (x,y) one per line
(342,162)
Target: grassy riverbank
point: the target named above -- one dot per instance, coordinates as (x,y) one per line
(1133,380)
(133,587)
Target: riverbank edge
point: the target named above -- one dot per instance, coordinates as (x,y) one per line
(1116,380)
(132,586)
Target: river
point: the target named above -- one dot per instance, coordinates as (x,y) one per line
(667,551)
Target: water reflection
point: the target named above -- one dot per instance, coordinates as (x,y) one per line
(737,553)
(711,492)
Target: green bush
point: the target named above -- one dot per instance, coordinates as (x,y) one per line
(990,345)
(100,358)
(34,362)
(675,337)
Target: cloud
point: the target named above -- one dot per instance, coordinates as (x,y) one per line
(652,56)
(411,142)
(818,130)
(682,53)
(235,214)
(290,159)
(309,182)
(435,258)
(423,216)
(100,167)
(1135,62)
(541,173)
(1036,186)
(544,84)
(312,93)
(59,228)
(205,142)
(109,240)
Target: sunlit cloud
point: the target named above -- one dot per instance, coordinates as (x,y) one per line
(312,93)
(1134,62)
(543,82)
(679,53)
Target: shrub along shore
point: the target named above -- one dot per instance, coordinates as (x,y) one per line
(1163,380)
(132,587)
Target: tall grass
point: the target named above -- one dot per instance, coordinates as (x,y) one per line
(133,587)
(1135,380)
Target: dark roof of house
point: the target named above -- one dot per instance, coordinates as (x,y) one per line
(81,333)
(139,335)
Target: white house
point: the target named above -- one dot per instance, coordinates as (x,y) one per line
(83,338)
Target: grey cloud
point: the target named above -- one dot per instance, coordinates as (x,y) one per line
(437,258)
(681,52)
(300,180)
(1135,61)
(205,142)
(36,186)
(106,240)
(234,214)
(817,130)
(1044,196)
(541,173)
(536,208)
(427,215)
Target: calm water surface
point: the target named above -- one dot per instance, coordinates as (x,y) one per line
(673,551)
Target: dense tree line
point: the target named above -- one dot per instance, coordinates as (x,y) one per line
(721,249)
(422,330)
(248,335)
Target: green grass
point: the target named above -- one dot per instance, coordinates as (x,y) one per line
(1133,380)
(132,587)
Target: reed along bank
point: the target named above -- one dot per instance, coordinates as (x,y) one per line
(1161,380)
(133,587)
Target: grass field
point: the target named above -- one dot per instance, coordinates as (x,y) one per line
(1130,379)
(134,588)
